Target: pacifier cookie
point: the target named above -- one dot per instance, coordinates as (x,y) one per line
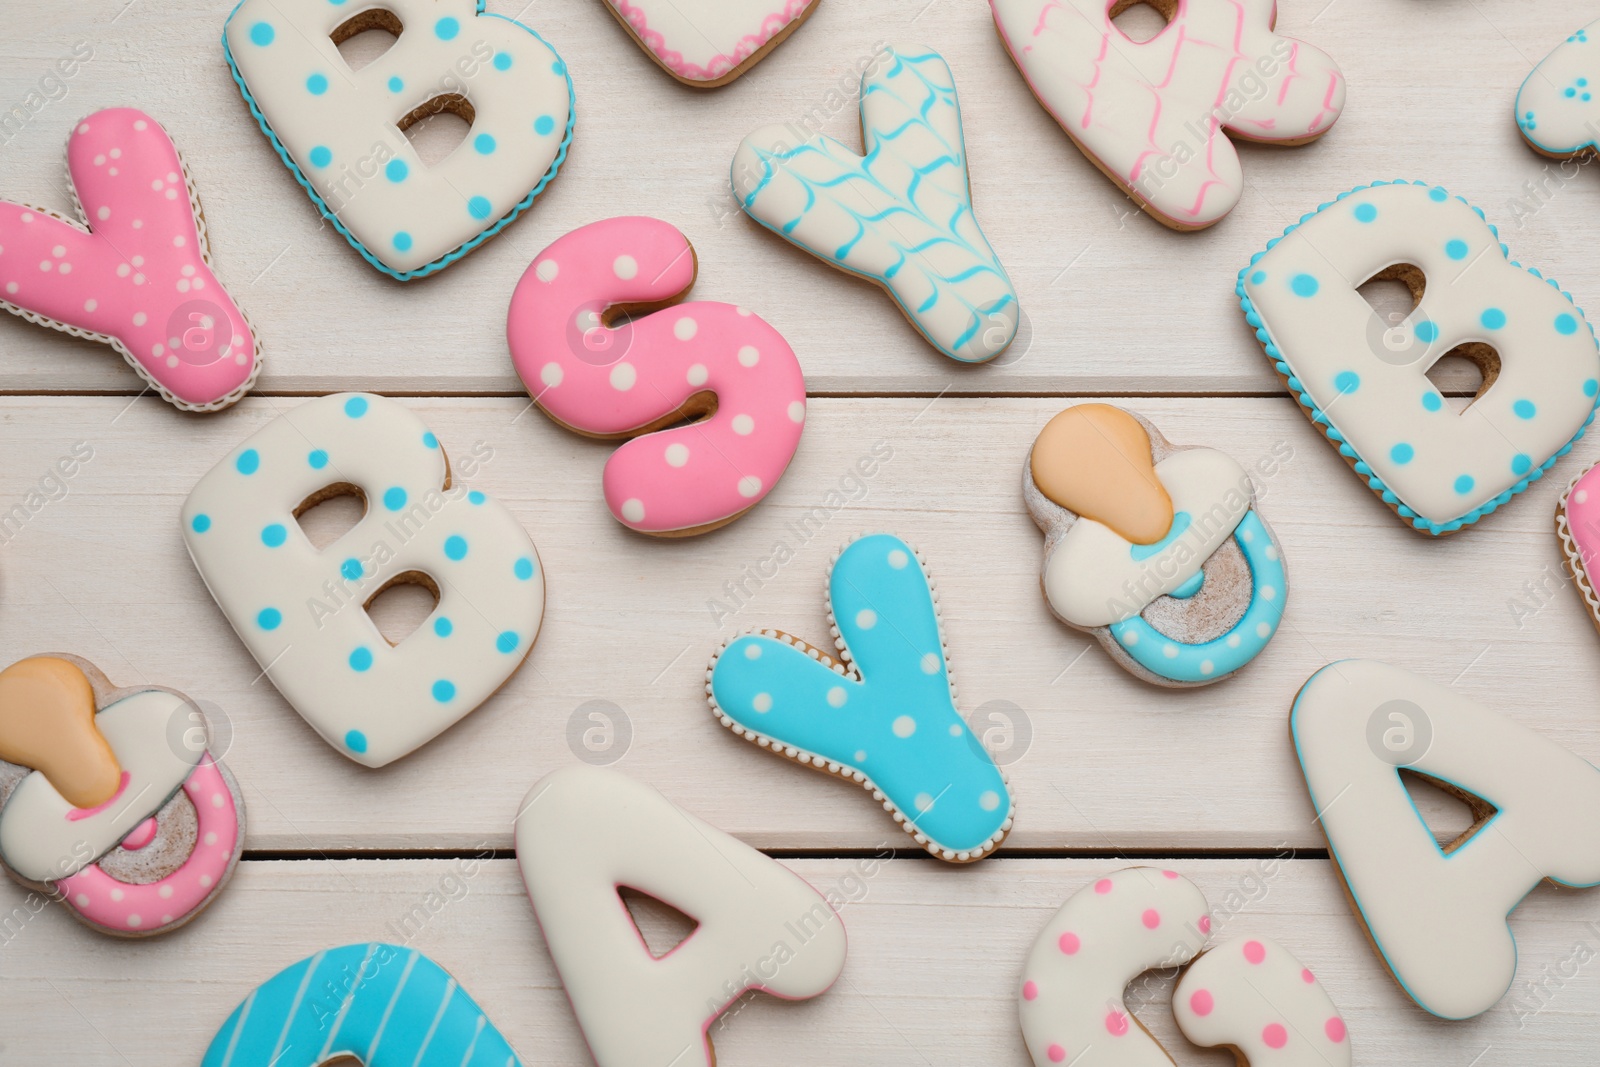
(133,269)
(1156,116)
(1558,106)
(900,214)
(1249,994)
(1155,550)
(342,131)
(301,611)
(1437,915)
(642,377)
(883,714)
(1364,383)
(1578,529)
(109,798)
(706,43)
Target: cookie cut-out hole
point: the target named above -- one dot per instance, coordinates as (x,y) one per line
(330,513)
(438,127)
(1452,815)
(402,604)
(1394,293)
(1465,373)
(366,37)
(1142,20)
(661,927)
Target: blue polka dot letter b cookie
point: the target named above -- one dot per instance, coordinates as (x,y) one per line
(342,131)
(301,610)
(885,716)
(1364,381)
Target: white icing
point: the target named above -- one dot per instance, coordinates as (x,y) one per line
(1092,578)
(1254,996)
(1369,377)
(372,701)
(1440,920)
(580,834)
(1558,107)
(1153,112)
(147,732)
(346,142)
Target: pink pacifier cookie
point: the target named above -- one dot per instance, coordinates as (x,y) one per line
(711,395)
(133,269)
(109,798)
(1578,527)
(1156,116)
(707,43)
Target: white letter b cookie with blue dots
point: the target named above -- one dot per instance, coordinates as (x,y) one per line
(302,610)
(1363,380)
(341,131)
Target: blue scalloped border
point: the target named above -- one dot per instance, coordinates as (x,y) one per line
(355,242)
(1320,419)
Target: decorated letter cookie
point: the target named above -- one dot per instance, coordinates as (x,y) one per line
(1155,550)
(1558,107)
(1154,116)
(883,714)
(133,269)
(583,832)
(1437,915)
(1252,995)
(302,610)
(109,799)
(341,131)
(706,43)
(384,1005)
(1365,384)
(715,363)
(901,215)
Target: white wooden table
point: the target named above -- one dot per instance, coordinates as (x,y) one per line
(1107,771)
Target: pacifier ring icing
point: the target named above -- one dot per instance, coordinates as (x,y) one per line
(150,847)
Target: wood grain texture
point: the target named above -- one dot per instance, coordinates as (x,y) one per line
(1114,302)
(935,955)
(1097,759)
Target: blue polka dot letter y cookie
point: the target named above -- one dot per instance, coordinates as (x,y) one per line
(1364,381)
(342,131)
(885,716)
(301,610)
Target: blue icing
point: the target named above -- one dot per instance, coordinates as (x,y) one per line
(901,215)
(352,999)
(1180,523)
(1190,587)
(1211,660)
(897,723)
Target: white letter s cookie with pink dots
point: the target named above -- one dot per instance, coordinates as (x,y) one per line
(301,610)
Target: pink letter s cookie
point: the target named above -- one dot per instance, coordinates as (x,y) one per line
(135,272)
(702,361)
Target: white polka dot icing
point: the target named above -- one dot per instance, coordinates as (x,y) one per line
(300,610)
(134,270)
(1364,382)
(901,215)
(582,832)
(1438,916)
(652,371)
(1250,994)
(1253,995)
(1154,115)
(340,130)
(706,43)
(1558,106)
(46,840)
(880,716)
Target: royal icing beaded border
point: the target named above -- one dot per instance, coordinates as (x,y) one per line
(1319,418)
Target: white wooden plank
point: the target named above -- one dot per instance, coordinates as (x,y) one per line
(1109,763)
(931,977)
(1115,303)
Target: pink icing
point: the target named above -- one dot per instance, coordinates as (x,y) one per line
(1334,1028)
(84,813)
(138,276)
(103,900)
(1273,1035)
(1151,918)
(1069,943)
(1030,990)
(141,836)
(1254,951)
(1583,519)
(1202,1002)
(612,382)
(719,65)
